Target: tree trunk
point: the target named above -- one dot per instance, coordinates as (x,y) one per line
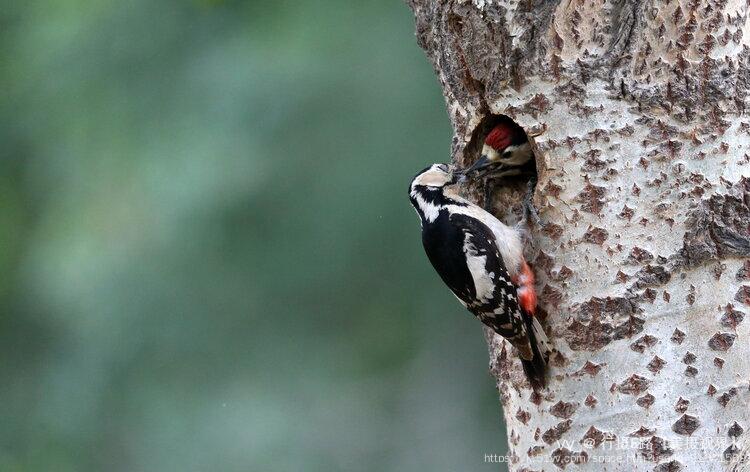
(643,155)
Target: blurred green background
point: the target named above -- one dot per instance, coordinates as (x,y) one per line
(208,261)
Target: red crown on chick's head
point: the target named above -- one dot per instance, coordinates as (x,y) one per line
(500,137)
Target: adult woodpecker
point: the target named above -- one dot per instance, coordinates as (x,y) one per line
(481,260)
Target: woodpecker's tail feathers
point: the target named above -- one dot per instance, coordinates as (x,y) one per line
(535,369)
(542,341)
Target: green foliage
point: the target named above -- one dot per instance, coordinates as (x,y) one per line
(208,257)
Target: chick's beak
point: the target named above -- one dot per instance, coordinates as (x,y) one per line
(480,164)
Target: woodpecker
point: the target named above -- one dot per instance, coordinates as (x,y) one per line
(481,260)
(506,151)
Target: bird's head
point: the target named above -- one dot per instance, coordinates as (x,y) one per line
(434,177)
(427,190)
(505,145)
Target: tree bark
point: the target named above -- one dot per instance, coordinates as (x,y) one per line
(637,111)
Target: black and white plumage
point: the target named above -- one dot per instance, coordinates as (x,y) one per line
(481,261)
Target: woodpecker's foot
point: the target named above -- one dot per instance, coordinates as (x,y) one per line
(529,211)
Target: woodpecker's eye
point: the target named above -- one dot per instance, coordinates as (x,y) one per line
(444,167)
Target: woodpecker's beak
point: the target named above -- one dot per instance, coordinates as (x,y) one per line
(480,164)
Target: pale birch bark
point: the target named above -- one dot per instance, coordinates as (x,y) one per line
(642,263)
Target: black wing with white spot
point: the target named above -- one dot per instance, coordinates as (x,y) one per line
(500,309)
(462,250)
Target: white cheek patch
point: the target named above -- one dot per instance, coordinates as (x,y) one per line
(429,210)
(518,154)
